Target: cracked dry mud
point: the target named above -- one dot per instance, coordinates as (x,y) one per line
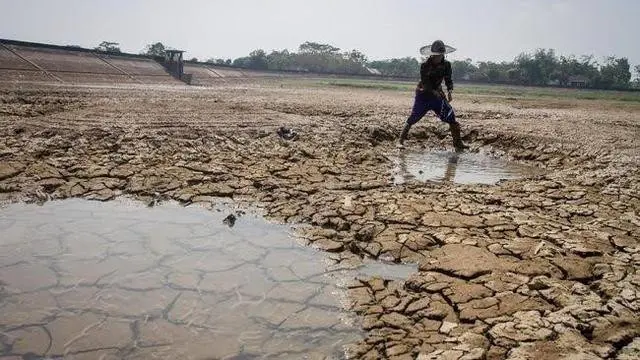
(542,267)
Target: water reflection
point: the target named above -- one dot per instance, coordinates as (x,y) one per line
(452,167)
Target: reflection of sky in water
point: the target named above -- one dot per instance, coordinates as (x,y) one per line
(121,257)
(465,168)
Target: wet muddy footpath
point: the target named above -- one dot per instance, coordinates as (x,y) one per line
(539,262)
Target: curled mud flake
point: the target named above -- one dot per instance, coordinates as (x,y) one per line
(447,327)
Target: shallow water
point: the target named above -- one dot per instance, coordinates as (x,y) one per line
(94,280)
(458,168)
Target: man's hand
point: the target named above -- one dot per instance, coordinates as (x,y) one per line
(449,97)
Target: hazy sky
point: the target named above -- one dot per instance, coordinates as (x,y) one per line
(481,30)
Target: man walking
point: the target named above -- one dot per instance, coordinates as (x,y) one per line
(429,93)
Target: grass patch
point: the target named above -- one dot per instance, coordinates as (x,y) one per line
(492,90)
(370,84)
(557,93)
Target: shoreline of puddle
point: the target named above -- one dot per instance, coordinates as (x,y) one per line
(177,275)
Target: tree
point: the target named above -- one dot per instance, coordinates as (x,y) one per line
(514,75)
(570,66)
(615,73)
(537,68)
(462,70)
(352,62)
(636,82)
(494,72)
(281,60)
(258,59)
(108,46)
(317,48)
(242,62)
(156,49)
(547,62)
(218,61)
(194,59)
(403,67)
(357,57)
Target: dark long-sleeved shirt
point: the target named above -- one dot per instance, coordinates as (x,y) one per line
(431,76)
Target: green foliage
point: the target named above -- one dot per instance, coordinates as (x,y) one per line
(311,57)
(540,68)
(258,60)
(316,48)
(493,72)
(569,67)
(219,61)
(463,70)
(615,73)
(108,46)
(156,49)
(404,67)
(543,67)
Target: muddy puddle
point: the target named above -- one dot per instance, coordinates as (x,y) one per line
(90,280)
(458,168)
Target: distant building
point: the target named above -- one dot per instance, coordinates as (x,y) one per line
(578,81)
(174,62)
(373,71)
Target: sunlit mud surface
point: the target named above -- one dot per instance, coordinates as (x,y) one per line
(86,279)
(544,266)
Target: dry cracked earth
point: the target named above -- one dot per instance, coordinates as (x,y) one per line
(545,267)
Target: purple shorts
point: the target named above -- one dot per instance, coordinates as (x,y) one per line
(424,103)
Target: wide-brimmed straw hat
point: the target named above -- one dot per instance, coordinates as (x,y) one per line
(437,48)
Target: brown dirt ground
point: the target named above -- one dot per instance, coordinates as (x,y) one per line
(541,268)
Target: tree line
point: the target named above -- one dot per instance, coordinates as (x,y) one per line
(542,67)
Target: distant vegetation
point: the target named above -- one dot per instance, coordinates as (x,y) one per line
(311,56)
(227,62)
(543,67)
(109,46)
(156,49)
(540,68)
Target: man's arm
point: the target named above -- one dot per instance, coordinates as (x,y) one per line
(448,80)
(447,76)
